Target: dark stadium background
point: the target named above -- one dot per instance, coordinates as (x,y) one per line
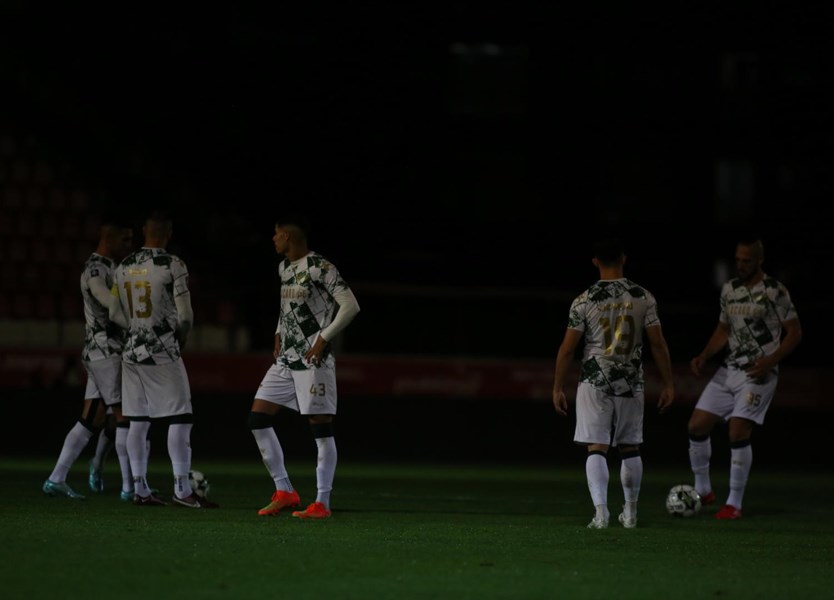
(456,160)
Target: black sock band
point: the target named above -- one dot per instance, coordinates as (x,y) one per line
(259,420)
(322,430)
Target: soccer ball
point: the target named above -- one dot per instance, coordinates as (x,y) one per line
(683,501)
(199,483)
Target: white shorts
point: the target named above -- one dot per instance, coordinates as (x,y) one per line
(309,392)
(605,419)
(104,380)
(155,390)
(730,393)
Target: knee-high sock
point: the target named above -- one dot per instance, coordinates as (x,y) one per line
(596,470)
(137,451)
(741,459)
(179,451)
(104,445)
(700,452)
(273,457)
(75,441)
(631,476)
(124,459)
(325,468)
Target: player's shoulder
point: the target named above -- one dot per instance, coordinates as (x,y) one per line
(635,290)
(318,261)
(771,283)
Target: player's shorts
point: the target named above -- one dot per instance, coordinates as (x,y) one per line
(605,419)
(104,380)
(731,393)
(155,390)
(309,392)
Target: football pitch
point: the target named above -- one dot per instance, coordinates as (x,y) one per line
(405,531)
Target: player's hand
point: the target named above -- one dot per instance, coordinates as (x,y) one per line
(696,364)
(560,402)
(314,354)
(760,368)
(667,397)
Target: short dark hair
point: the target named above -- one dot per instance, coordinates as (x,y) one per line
(294,220)
(609,250)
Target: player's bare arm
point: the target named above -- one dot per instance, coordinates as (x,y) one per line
(564,360)
(716,342)
(663,360)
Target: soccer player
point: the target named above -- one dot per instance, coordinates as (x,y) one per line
(756,310)
(152,298)
(101,358)
(316,304)
(612,316)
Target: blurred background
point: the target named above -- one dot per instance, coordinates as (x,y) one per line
(456,160)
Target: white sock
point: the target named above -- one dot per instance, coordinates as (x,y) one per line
(273,457)
(596,470)
(137,452)
(631,476)
(103,446)
(179,451)
(325,469)
(124,459)
(699,457)
(74,443)
(741,459)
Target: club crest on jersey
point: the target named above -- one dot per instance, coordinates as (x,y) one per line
(93,272)
(302,278)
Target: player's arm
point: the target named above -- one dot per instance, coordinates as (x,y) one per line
(185,317)
(114,308)
(348,309)
(99,290)
(663,360)
(276,349)
(564,360)
(716,343)
(790,340)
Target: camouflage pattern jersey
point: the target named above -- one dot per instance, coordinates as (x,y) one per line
(612,315)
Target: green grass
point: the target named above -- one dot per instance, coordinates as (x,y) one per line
(413,531)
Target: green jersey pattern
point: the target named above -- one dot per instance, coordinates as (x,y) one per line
(755,316)
(102,338)
(612,315)
(307,306)
(147,282)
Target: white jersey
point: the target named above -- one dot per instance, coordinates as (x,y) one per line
(147,282)
(755,316)
(307,306)
(612,315)
(102,337)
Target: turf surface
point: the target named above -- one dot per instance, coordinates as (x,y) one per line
(413,531)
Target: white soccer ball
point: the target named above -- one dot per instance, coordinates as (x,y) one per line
(683,501)
(199,483)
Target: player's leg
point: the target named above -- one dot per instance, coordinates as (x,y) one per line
(323,432)
(136,408)
(105,442)
(631,478)
(170,402)
(316,391)
(122,429)
(753,399)
(597,475)
(714,404)
(594,416)
(179,451)
(276,390)
(75,441)
(628,436)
